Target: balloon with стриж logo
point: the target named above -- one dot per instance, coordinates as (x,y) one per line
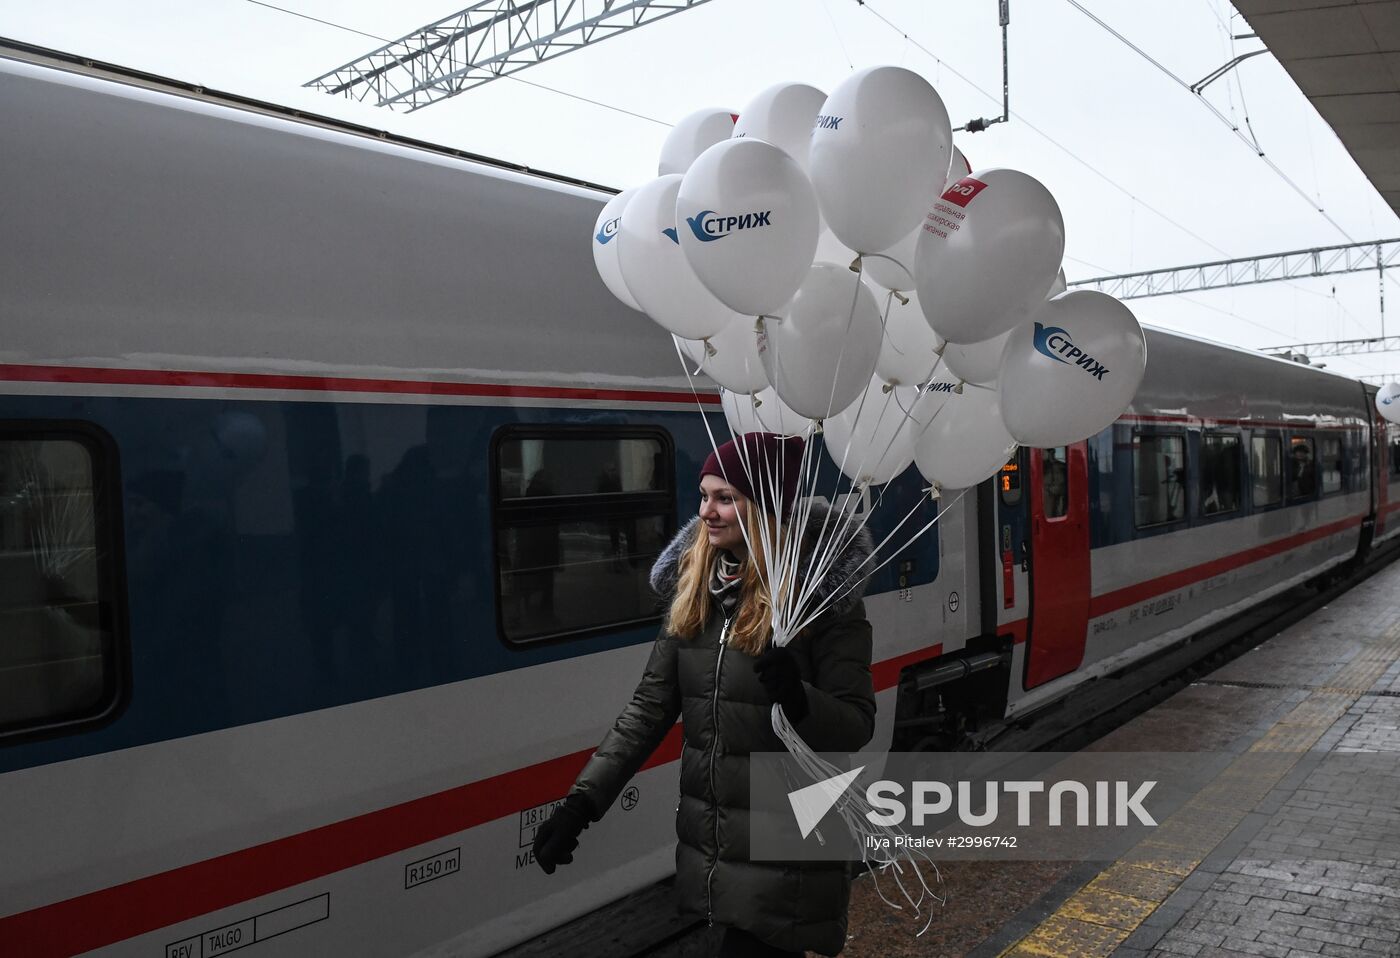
(655,270)
(965,442)
(872,440)
(1071,371)
(782,115)
(987,255)
(981,362)
(747,219)
(879,151)
(1388,402)
(821,349)
(605,246)
(694,134)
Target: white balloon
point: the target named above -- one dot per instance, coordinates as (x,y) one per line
(748,224)
(872,440)
(1072,371)
(831,250)
(976,362)
(741,413)
(693,135)
(929,399)
(981,362)
(655,270)
(879,151)
(821,351)
(732,358)
(909,349)
(777,416)
(988,254)
(1388,402)
(605,246)
(783,115)
(893,268)
(966,442)
(958,167)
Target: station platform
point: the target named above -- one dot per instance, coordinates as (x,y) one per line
(1286,857)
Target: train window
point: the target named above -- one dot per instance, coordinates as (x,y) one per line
(58,660)
(1159,472)
(1220,473)
(1395,458)
(1054,481)
(1302,469)
(1266,470)
(581,515)
(1329,461)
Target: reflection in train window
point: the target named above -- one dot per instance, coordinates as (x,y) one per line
(1220,473)
(581,515)
(1329,461)
(1302,469)
(58,654)
(1395,458)
(1266,470)
(1054,482)
(1159,472)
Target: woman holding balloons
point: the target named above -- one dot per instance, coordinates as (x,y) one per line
(715,668)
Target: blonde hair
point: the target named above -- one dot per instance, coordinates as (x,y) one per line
(690,608)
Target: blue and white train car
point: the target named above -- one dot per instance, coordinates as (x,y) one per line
(330,480)
(330,477)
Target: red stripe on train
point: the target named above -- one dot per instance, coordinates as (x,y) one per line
(1130,595)
(173,377)
(147,904)
(156,901)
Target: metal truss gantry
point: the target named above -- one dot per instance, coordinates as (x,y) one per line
(1299,264)
(488,40)
(1339,347)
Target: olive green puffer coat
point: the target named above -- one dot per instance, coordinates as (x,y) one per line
(726,716)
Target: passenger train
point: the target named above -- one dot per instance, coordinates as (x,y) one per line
(330,478)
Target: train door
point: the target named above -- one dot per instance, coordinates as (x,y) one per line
(1380,471)
(1060,579)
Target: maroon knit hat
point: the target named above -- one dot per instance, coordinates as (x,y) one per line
(773,462)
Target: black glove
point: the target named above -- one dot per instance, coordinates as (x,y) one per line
(782,680)
(556,839)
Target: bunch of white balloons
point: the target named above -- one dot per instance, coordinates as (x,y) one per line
(834,259)
(1388,402)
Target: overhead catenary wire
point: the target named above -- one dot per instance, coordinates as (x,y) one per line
(1233,127)
(865,5)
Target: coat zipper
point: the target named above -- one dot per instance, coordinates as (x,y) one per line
(714,796)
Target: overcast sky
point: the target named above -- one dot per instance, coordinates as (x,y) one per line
(1146,176)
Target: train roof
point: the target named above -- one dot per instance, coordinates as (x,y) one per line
(164,230)
(84,66)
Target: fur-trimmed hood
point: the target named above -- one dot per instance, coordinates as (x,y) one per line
(852,557)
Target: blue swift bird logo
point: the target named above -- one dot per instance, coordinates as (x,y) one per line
(708,227)
(671,234)
(608,231)
(1057,344)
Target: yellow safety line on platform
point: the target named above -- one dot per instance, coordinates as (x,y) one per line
(1099,917)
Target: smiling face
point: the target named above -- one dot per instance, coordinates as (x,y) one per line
(722,511)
